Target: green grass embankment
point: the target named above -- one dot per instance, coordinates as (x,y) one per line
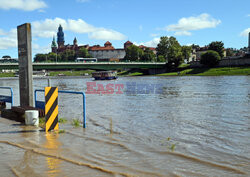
(7,74)
(223,71)
(71,73)
(130,73)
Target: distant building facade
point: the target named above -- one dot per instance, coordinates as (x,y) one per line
(102,53)
(196,53)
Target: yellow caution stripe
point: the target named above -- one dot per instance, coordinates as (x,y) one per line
(51,108)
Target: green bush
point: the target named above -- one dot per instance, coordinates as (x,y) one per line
(75,122)
(210,58)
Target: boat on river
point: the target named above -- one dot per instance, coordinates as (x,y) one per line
(104,75)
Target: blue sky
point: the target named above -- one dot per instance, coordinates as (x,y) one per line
(140,21)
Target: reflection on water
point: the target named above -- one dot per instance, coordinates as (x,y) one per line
(52,145)
(197,126)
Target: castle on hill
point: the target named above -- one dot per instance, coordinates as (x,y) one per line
(102,53)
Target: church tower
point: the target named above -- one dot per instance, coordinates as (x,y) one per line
(75,42)
(53,45)
(60,37)
(249,43)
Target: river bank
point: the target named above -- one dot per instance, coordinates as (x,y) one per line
(222,71)
(183,71)
(186,71)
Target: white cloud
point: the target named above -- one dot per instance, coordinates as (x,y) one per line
(6,42)
(245,32)
(26,5)
(154,35)
(2,32)
(185,25)
(36,48)
(105,34)
(48,28)
(79,26)
(153,43)
(41,11)
(182,33)
(8,39)
(140,27)
(82,1)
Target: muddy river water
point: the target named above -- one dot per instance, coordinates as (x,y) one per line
(136,126)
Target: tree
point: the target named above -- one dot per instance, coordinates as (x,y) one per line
(133,53)
(83,52)
(161,58)
(40,57)
(195,46)
(162,47)
(68,55)
(148,55)
(230,52)
(52,57)
(217,46)
(210,58)
(6,57)
(186,51)
(170,49)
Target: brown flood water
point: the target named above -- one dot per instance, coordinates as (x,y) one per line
(185,126)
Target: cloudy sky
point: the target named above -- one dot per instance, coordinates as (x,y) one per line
(140,21)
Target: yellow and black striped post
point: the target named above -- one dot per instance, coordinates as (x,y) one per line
(51,108)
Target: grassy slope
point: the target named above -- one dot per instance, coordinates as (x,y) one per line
(70,73)
(7,74)
(224,71)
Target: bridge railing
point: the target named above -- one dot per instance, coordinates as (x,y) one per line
(99,62)
(41,104)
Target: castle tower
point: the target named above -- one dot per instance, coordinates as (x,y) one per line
(127,44)
(60,37)
(75,42)
(249,43)
(53,45)
(108,44)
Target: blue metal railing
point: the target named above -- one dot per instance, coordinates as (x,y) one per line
(8,99)
(41,104)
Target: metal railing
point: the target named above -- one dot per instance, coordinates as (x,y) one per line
(41,104)
(8,99)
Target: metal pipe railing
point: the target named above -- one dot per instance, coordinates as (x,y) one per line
(69,92)
(8,99)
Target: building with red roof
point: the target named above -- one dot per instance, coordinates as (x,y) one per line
(102,53)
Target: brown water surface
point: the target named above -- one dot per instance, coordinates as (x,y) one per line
(192,126)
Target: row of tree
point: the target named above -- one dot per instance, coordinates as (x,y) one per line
(66,56)
(168,50)
(214,54)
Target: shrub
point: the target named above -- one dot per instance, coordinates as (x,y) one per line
(210,58)
(75,122)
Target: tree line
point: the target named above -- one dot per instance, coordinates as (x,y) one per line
(66,56)
(168,50)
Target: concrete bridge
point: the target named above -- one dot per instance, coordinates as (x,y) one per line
(95,66)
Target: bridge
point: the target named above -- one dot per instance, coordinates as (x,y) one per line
(94,66)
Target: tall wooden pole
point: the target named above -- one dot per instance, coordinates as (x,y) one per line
(25,65)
